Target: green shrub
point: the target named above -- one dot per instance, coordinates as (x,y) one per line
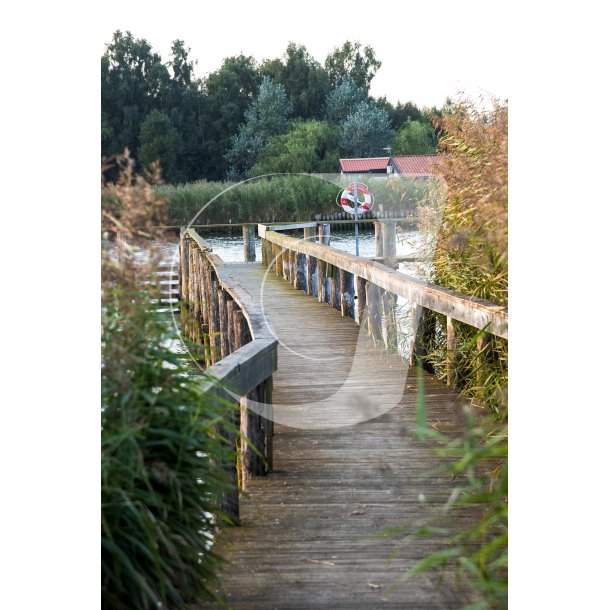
(162,440)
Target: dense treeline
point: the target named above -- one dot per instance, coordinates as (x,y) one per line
(288,114)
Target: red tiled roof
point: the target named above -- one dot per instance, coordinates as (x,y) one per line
(414,164)
(364,165)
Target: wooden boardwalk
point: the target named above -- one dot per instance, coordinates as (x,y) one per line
(346,467)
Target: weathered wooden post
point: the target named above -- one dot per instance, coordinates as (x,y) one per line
(378,239)
(264,257)
(373,302)
(223,319)
(309,237)
(268,421)
(249,243)
(277,254)
(229,503)
(211,284)
(451,343)
(483,343)
(300,279)
(361,288)
(183,275)
(324,239)
(333,274)
(292,267)
(285,263)
(231,307)
(346,281)
(388,231)
(424,335)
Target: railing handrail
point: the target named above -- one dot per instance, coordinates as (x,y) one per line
(248,366)
(479,313)
(251,308)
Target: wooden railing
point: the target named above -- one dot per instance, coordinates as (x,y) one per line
(239,354)
(333,276)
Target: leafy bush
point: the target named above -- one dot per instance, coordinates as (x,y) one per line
(281,198)
(162,440)
(471,257)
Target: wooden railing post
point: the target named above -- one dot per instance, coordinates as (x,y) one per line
(361,288)
(229,503)
(285,263)
(231,308)
(483,342)
(347,293)
(300,279)
(223,320)
(277,254)
(211,284)
(268,421)
(324,239)
(373,301)
(451,344)
(309,237)
(334,298)
(184,268)
(292,267)
(249,243)
(423,336)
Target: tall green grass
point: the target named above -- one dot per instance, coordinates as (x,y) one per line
(162,451)
(282,198)
(471,257)
(163,441)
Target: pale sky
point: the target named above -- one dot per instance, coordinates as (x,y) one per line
(428,50)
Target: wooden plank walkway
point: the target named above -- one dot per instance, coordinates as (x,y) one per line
(310,530)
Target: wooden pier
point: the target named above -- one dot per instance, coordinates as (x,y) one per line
(342,463)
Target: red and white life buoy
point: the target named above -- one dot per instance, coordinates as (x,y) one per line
(345,199)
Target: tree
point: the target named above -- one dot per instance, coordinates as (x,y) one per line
(366,131)
(228,93)
(343,100)
(310,146)
(160,141)
(266,117)
(305,81)
(133,82)
(360,65)
(415,138)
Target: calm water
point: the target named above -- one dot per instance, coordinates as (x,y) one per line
(231,248)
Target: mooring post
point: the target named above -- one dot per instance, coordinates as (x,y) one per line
(388,231)
(249,243)
(378,239)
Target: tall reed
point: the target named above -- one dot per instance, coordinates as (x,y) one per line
(163,441)
(471,256)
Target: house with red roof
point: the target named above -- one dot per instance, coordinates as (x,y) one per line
(373,165)
(402,165)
